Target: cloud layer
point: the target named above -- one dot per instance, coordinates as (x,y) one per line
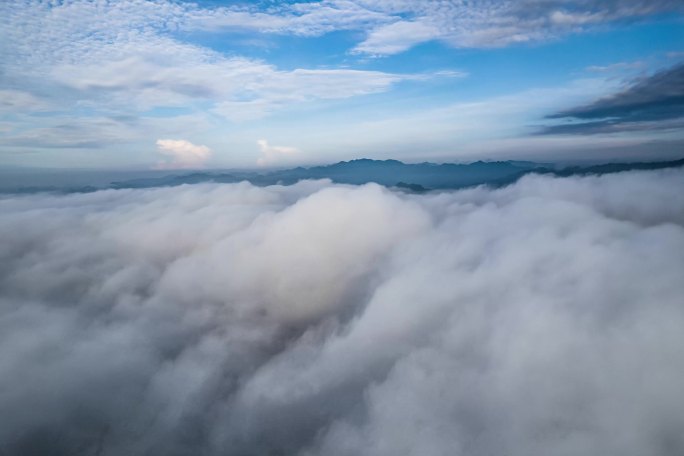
(319,319)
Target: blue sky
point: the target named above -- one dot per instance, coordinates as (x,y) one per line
(165,85)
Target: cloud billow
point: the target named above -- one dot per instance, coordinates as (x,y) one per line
(320,319)
(183,154)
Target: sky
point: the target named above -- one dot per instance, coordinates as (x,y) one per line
(137,84)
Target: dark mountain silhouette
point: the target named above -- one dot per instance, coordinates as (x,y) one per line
(418,177)
(423,176)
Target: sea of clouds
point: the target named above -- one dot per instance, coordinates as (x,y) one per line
(544,318)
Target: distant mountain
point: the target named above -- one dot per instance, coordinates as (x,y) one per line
(415,188)
(421,176)
(617,167)
(427,175)
(418,177)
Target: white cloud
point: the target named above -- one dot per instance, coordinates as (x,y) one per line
(275,155)
(184,154)
(397,37)
(619,67)
(486,24)
(303,18)
(541,318)
(127,52)
(394,26)
(112,58)
(101,62)
(271,90)
(19,101)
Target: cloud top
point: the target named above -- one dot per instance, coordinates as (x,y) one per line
(320,319)
(273,155)
(183,154)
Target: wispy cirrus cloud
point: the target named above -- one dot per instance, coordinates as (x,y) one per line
(278,89)
(104,60)
(484,24)
(397,37)
(122,55)
(314,18)
(394,26)
(91,63)
(21,101)
(617,67)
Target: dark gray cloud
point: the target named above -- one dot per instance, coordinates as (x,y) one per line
(319,319)
(655,102)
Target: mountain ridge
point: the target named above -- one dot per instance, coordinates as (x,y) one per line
(394,173)
(409,177)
